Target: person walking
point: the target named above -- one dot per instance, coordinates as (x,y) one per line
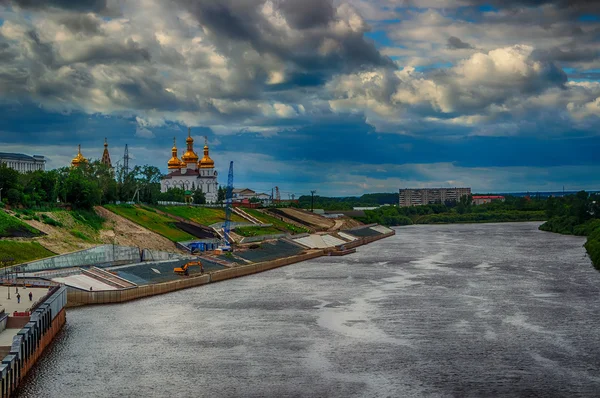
(30,296)
(18,298)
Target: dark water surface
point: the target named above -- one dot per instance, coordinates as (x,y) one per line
(453,310)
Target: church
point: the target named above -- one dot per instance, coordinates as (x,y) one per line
(189,173)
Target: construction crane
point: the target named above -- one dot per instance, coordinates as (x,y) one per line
(228,199)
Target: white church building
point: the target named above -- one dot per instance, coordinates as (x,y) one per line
(189,173)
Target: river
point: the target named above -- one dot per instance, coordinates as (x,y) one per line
(437,310)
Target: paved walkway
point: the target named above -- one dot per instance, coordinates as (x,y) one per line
(11,305)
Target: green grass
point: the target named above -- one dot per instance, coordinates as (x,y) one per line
(13,227)
(256,231)
(23,251)
(201,215)
(51,221)
(78,234)
(277,223)
(153,221)
(89,218)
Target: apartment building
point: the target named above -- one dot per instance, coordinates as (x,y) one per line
(425,196)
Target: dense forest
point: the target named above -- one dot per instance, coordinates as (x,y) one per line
(577,214)
(463,211)
(347,203)
(86,186)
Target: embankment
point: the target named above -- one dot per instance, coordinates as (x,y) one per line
(569,226)
(78,297)
(31,341)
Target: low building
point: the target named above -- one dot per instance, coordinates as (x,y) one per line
(23,163)
(425,196)
(239,194)
(481,199)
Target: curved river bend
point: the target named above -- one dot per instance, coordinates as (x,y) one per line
(452,310)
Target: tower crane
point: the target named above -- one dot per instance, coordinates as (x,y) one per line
(228,199)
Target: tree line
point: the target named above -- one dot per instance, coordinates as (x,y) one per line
(577,214)
(88,185)
(462,211)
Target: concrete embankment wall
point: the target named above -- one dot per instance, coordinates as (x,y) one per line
(79,297)
(98,256)
(31,341)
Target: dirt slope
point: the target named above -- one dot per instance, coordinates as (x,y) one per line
(121,231)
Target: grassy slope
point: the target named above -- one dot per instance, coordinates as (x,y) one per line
(23,251)
(201,215)
(277,223)
(11,226)
(153,221)
(256,231)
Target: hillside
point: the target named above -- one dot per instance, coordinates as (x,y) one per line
(151,220)
(20,251)
(12,227)
(201,215)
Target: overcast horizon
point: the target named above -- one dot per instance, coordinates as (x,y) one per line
(345,97)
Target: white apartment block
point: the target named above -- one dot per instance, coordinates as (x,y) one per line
(23,163)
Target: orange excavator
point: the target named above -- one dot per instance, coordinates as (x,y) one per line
(185,269)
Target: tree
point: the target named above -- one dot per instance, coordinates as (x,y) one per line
(464,204)
(221,193)
(199,197)
(14,196)
(81,191)
(9,178)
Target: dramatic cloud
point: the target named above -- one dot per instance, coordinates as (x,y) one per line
(456,43)
(281,69)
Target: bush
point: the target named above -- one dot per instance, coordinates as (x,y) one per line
(89,218)
(50,221)
(80,235)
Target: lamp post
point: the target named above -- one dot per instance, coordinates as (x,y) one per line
(312,201)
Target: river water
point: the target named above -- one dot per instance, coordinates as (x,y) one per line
(451,310)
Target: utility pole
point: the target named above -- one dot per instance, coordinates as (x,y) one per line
(312,201)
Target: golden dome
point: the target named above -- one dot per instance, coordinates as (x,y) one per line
(189,156)
(206,162)
(174,162)
(79,159)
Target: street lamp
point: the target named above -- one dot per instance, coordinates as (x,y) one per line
(312,201)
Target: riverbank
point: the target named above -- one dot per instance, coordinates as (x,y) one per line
(436,310)
(32,332)
(590,229)
(78,297)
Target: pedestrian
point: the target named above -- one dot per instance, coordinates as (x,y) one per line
(18,298)
(30,296)
(91,289)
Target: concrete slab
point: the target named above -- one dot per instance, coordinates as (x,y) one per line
(6,337)
(346,236)
(11,305)
(332,240)
(313,241)
(83,282)
(381,229)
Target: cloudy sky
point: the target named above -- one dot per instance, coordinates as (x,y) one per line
(345,97)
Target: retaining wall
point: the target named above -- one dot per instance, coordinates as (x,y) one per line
(31,341)
(98,256)
(79,297)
